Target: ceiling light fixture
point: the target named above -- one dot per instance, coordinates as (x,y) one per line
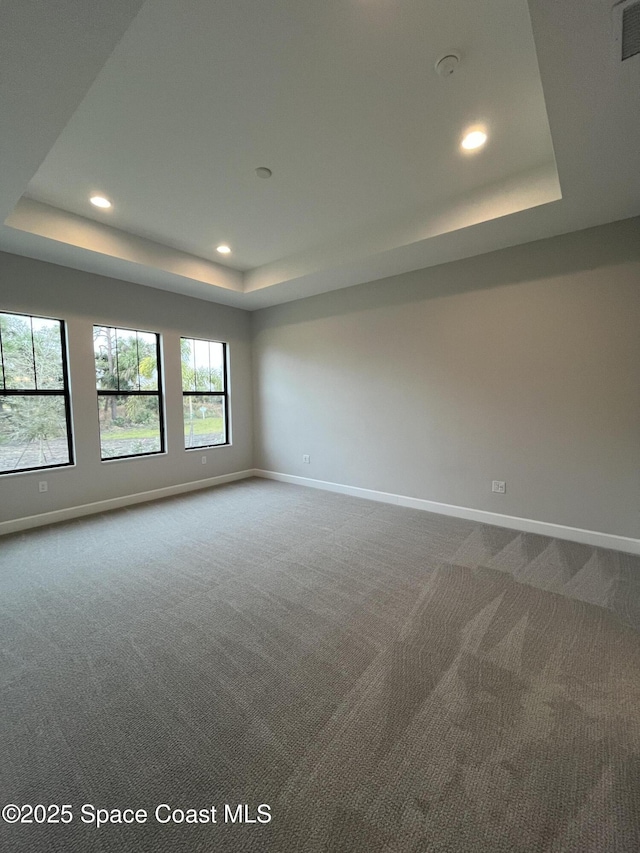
(263,172)
(100,201)
(473,140)
(223,249)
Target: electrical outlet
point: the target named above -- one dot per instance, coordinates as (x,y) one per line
(204,460)
(499,486)
(43,486)
(306,459)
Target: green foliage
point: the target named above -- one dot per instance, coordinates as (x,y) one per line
(32,356)
(31,360)
(124,361)
(34,419)
(148,367)
(197,378)
(141,410)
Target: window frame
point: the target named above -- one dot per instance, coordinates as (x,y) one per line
(118,393)
(224,394)
(65,392)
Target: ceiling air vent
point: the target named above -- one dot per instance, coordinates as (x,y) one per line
(627,20)
(631,31)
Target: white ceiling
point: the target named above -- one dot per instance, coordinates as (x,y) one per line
(168,113)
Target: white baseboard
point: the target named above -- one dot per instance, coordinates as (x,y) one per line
(67,514)
(527,525)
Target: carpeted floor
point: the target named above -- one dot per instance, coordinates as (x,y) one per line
(384,679)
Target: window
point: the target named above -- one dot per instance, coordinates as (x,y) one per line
(204,393)
(35,412)
(129,384)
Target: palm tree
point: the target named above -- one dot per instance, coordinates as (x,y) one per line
(124,362)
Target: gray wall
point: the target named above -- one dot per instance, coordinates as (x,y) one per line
(520,365)
(83,299)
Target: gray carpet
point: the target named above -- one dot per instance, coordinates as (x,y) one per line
(384,679)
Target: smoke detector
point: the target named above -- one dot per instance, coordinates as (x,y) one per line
(447,64)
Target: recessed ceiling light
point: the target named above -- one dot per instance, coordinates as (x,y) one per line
(474,139)
(100,201)
(224,250)
(263,172)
